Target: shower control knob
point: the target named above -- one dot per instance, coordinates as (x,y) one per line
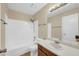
(34,38)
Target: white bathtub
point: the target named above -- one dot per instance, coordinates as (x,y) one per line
(17,52)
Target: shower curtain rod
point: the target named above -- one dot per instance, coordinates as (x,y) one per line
(3,21)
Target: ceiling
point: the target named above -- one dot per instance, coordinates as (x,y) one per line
(65,8)
(28,8)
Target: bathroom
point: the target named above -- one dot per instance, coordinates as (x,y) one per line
(39,29)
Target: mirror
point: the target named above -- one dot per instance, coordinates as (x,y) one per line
(64,20)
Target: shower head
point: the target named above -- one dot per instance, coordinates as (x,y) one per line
(5,23)
(32,20)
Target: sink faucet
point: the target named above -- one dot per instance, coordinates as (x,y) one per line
(56,42)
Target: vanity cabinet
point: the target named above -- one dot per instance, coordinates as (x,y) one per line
(42,51)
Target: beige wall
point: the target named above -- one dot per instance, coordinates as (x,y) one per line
(78,23)
(0,35)
(18,16)
(56,26)
(0,25)
(3,10)
(56,21)
(0,10)
(41,16)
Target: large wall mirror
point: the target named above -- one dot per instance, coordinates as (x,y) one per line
(64,21)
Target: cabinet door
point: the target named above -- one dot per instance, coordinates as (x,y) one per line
(40,53)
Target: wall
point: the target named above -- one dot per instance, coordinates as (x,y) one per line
(0,10)
(3,10)
(78,25)
(0,25)
(18,15)
(56,21)
(56,26)
(41,16)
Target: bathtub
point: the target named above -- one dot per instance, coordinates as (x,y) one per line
(17,52)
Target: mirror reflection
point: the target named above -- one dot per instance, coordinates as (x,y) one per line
(63,23)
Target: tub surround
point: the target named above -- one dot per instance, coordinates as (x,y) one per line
(58,49)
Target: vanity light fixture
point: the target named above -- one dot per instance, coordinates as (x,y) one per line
(57,6)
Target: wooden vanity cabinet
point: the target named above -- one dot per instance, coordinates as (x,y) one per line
(42,51)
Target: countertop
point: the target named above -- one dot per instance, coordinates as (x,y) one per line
(59,49)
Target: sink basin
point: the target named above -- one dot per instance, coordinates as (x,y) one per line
(56,45)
